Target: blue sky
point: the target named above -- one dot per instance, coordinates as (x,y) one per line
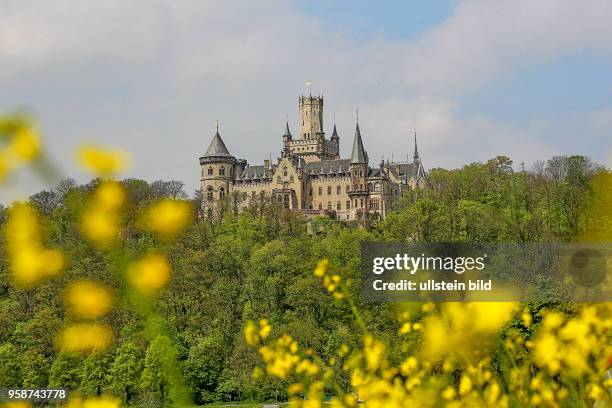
(475,78)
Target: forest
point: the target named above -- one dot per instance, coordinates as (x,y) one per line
(188,343)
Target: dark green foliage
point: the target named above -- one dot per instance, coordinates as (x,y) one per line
(254,265)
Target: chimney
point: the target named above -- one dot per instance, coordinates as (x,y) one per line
(267,163)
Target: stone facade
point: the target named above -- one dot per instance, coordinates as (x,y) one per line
(309,175)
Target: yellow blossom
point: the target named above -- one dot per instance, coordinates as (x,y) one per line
(101,220)
(265,328)
(250,334)
(104,401)
(4,166)
(449,393)
(25,144)
(465,385)
(85,337)
(16,404)
(168,217)
(321,268)
(102,162)
(100,226)
(30,261)
(149,273)
(109,195)
(88,299)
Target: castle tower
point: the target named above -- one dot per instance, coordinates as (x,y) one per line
(218,169)
(359,172)
(335,139)
(311,117)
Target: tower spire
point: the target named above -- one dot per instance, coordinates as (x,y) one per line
(358,154)
(416,150)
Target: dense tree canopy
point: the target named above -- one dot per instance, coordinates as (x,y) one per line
(259,264)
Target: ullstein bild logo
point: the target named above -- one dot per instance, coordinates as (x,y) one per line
(401,272)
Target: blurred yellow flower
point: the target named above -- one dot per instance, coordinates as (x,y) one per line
(30,260)
(465,385)
(109,195)
(16,404)
(102,162)
(88,299)
(250,334)
(4,167)
(103,401)
(168,217)
(100,221)
(265,328)
(85,337)
(25,144)
(149,273)
(100,226)
(321,268)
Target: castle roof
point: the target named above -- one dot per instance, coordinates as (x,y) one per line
(287,131)
(358,154)
(217,147)
(407,170)
(255,173)
(335,132)
(328,166)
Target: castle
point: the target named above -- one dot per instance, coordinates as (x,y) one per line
(309,175)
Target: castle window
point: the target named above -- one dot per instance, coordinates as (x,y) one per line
(348,188)
(320,191)
(221,192)
(369,186)
(338,206)
(320,206)
(348,204)
(222,171)
(377,187)
(329,206)
(360,173)
(328,189)
(311,192)
(338,189)
(278,178)
(291,178)
(287,201)
(284,172)
(209,193)
(361,203)
(210,171)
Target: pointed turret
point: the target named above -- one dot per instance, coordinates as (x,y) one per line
(217,148)
(287,131)
(335,133)
(416,150)
(358,154)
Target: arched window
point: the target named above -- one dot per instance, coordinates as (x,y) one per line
(286,201)
(210,171)
(377,187)
(284,172)
(209,193)
(320,206)
(222,192)
(222,171)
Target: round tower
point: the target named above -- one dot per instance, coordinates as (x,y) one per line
(218,172)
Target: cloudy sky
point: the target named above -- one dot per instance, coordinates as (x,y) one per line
(475,78)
